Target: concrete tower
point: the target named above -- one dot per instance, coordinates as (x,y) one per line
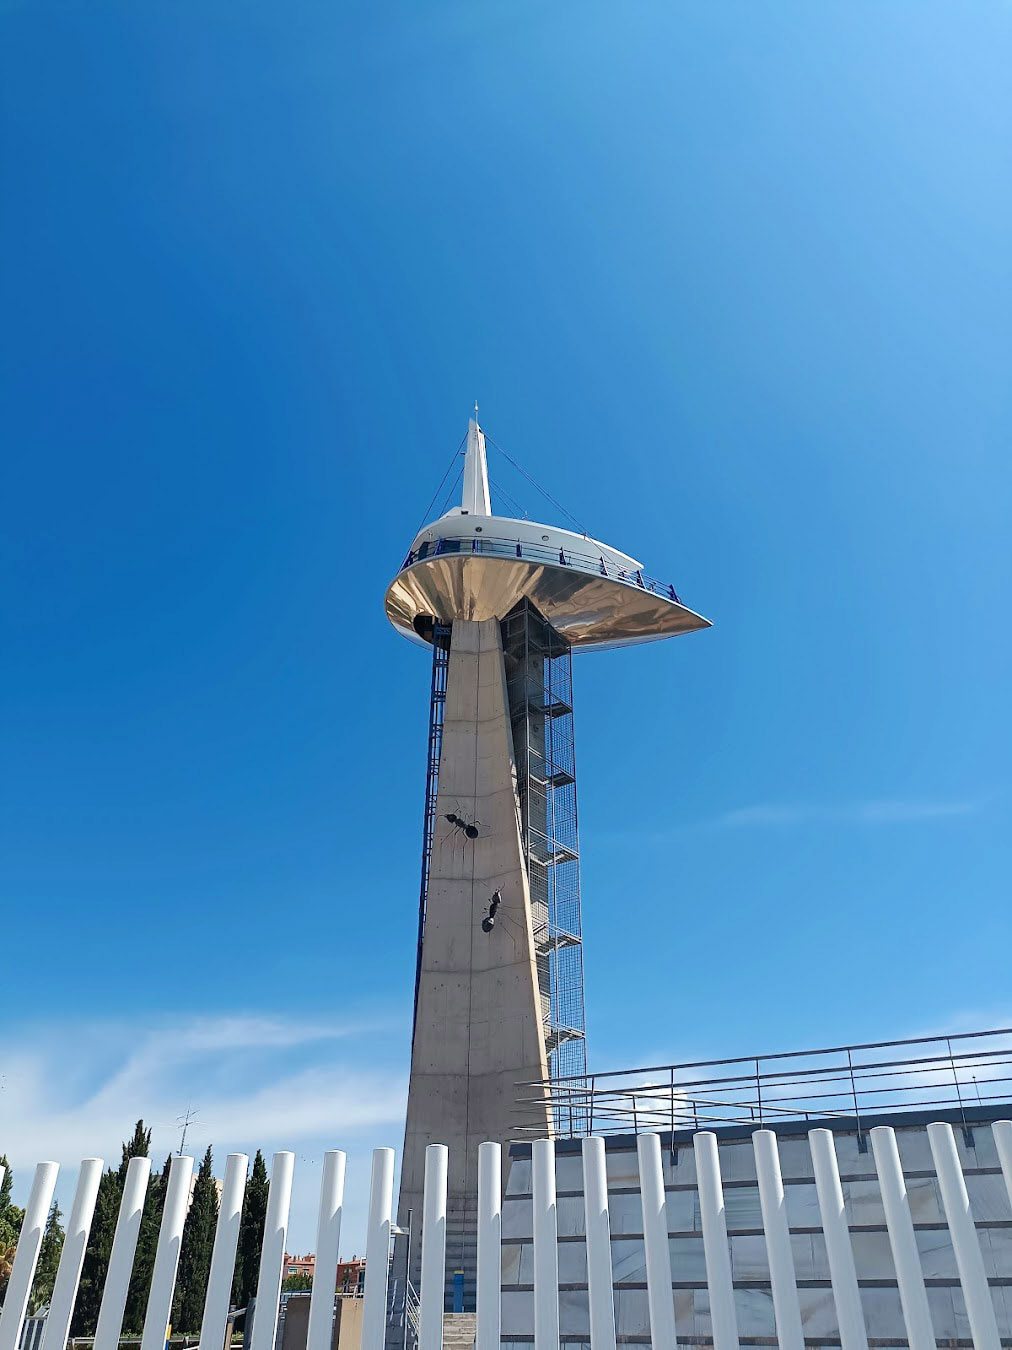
(499,980)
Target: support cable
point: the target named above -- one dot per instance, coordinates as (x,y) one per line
(534,482)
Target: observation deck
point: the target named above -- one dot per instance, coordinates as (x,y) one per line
(470,564)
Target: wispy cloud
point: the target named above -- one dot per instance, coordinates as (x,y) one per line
(255,1082)
(880,812)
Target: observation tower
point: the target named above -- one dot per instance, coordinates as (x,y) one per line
(502,603)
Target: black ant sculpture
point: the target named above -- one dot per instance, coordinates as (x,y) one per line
(488,922)
(466,827)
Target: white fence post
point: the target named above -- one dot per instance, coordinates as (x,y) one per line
(489,1246)
(433,1276)
(783,1280)
(655,1242)
(19,1286)
(328,1246)
(906,1258)
(68,1274)
(969,1262)
(226,1238)
(170,1236)
(546,1252)
(121,1258)
(600,1291)
(377,1250)
(1002,1131)
(843,1278)
(723,1320)
(272,1254)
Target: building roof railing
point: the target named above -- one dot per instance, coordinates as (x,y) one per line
(590,563)
(955,1071)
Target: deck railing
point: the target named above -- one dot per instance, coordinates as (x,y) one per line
(847,1082)
(595,564)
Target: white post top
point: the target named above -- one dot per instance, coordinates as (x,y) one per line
(476,501)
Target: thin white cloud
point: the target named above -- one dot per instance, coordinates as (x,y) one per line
(882,812)
(254,1081)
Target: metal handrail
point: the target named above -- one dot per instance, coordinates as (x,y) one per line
(497,547)
(840,1086)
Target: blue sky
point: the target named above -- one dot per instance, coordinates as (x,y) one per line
(733,281)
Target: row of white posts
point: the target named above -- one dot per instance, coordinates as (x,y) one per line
(787,1311)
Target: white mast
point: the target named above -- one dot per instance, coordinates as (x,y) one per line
(476,501)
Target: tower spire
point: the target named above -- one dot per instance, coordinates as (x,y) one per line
(476,500)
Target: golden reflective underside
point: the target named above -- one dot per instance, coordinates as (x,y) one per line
(588,610)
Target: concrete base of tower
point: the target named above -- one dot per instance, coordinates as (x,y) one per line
(479,1029)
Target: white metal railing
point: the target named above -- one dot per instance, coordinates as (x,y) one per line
(428,1321)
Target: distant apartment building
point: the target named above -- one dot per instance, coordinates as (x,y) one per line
(350,1273)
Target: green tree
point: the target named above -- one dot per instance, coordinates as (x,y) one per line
(251,1234)
(297,1283)
(195,1255)
(103,1230)
(147,1245)
(11,1218)
(49,1260)
(139,1146)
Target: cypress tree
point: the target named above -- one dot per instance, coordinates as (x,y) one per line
(137,1147)
(147,1244)
(195,1256)
(251,1234)
(11,1218)
(103,1230)
(49,1260)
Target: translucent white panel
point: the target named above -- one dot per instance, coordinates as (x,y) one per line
(863,1202)
(802,1205)
(996,1245)
(943,1318)
(701,1325)
(572,1263)
(982,1154)
(632,1312)
(938,1260)
(683,1173)
(925,1200)
(622,1167)
(517,1219)
(883,1313)
(810,1259)
(511,1263)
(749,1260)
(988,1197)
(570,1216)
(628,1261)
(850,1158)
(568,1172)
(684,1309)
(626,1213)
(737,1161)
(795,1158)
(754,1311)
(873,1256)
(915,1151)
(518,1181)
(1002,1309)
(687,1260)
(574,1314)
(683,1211)
(818,1312)
(517,1313)
(742,1208)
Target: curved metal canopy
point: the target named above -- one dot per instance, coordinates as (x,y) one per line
(588,610)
